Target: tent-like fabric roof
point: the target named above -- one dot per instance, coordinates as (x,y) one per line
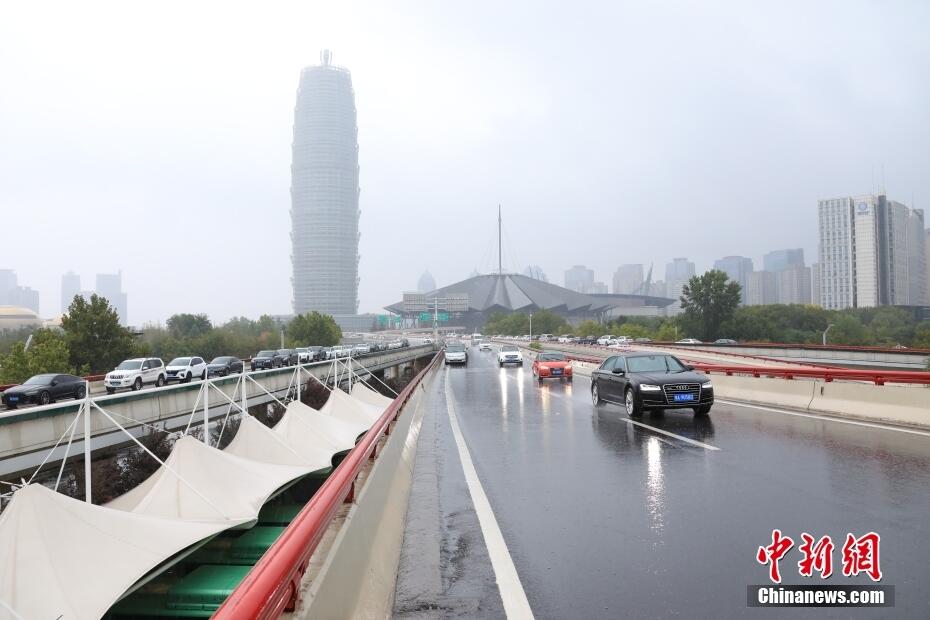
(341,405)
(64,558)
(256,441)
(305,428)
(228,487)
(367,395)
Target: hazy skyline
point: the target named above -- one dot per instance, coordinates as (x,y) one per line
(159,142)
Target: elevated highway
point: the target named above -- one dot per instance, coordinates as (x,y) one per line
(28,435)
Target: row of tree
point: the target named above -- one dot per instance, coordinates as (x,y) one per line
(711,310)
(91,340)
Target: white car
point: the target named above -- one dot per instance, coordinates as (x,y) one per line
(136,373)
(607,340)
(361,349)
(566,339)
(509,354)
(688,341)
(183,369)
(455,353)
(485,345)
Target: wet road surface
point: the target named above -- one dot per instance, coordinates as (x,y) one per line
(604,518)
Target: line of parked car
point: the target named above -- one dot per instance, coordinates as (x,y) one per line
(136,373)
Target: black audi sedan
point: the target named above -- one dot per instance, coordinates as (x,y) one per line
(266,359)
(223,366)
(641,381)
(44,389)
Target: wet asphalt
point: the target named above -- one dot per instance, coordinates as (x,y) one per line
(607,519)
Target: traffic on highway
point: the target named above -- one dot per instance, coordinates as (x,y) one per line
(673,511)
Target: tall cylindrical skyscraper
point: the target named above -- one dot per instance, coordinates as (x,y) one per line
(324,192)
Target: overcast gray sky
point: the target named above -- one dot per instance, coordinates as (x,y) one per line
(158,141)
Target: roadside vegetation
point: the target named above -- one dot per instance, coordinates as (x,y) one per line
(711,310)
(91,340)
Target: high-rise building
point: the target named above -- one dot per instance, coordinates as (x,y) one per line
(324,192)
(779,260)
(677,274)
(793,285)
(426,283)
(761,288)
(579,278)
(628,279)
(870,253)
(110,287)
(917,258)
(70,286)
(815,284)
(535,272)
(12,294)
(737,269)
(927,255)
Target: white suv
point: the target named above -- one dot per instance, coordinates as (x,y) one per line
(135,373)
(183,369)
(509,354)
(607,339)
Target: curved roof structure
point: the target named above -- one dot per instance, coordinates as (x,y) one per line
(510,292)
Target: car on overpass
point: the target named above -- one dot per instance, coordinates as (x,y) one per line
(552,365)
(650,381)
(44,389)
(455,353)
(266,359)
(289,357)
(224,366)
(509,354)
(725,341)
(183,369)
(136,373)
(688,341)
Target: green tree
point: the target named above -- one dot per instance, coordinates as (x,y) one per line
(848,329)
(188,325)
(922,337)
(589,328)
(314,328)
(667,331)
(96,340)
(633,330)
(708,301)
(48,352)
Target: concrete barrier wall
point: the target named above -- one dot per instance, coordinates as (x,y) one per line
(357,578)
(894,404)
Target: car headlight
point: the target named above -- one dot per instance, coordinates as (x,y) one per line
(646,387)
(707,385)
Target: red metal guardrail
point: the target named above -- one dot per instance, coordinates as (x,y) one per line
(878,377)
(272,586)
(827,374)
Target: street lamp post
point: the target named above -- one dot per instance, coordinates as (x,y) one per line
(531,327)
(825,334)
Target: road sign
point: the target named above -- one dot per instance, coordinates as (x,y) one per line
(428,316)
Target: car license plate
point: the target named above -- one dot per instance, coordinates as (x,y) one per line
(557,371)
(12,399)
(683,397)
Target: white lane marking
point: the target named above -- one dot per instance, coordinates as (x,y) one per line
(824,418)
(508,582)
(706,446)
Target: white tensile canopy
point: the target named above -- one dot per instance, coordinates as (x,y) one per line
(341,405)
(367,395)
(256,441)
(219,485)
(64,558)
(304,427)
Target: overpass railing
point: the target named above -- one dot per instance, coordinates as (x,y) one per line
(273,585)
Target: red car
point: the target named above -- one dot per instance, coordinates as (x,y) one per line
(552,365)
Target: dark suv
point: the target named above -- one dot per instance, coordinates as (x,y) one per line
(640,381)
(267,359)
(289,357)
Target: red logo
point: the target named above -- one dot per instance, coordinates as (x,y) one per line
(860,555)
(773,553)
(817,556)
